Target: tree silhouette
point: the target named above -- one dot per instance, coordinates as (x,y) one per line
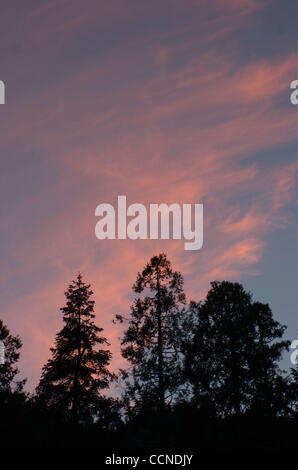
(206,377)
(151,340)
(73,378)
(230,357)
(8,370)
(267,385)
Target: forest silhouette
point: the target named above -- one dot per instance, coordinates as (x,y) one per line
(203,375)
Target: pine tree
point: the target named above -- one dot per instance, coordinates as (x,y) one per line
(268,387)
(73,378)
(231,355)
(151,341)
(8,370)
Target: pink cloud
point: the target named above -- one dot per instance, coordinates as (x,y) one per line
(182,134)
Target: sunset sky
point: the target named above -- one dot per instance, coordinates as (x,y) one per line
(184,101)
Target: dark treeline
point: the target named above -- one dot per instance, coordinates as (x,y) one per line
(199,376)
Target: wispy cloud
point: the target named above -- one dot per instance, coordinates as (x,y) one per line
(158,117)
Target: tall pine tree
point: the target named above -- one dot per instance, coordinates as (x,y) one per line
(151,341)
(72,380)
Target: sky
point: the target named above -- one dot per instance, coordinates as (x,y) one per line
(164,101)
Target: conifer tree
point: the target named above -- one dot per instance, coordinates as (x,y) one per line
(10,353)
(151,341)
(232,353)
(72,380)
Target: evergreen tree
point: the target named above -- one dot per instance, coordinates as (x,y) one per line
(151,341)
(268,388)
(73,378)
(10,352)
(231,359)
